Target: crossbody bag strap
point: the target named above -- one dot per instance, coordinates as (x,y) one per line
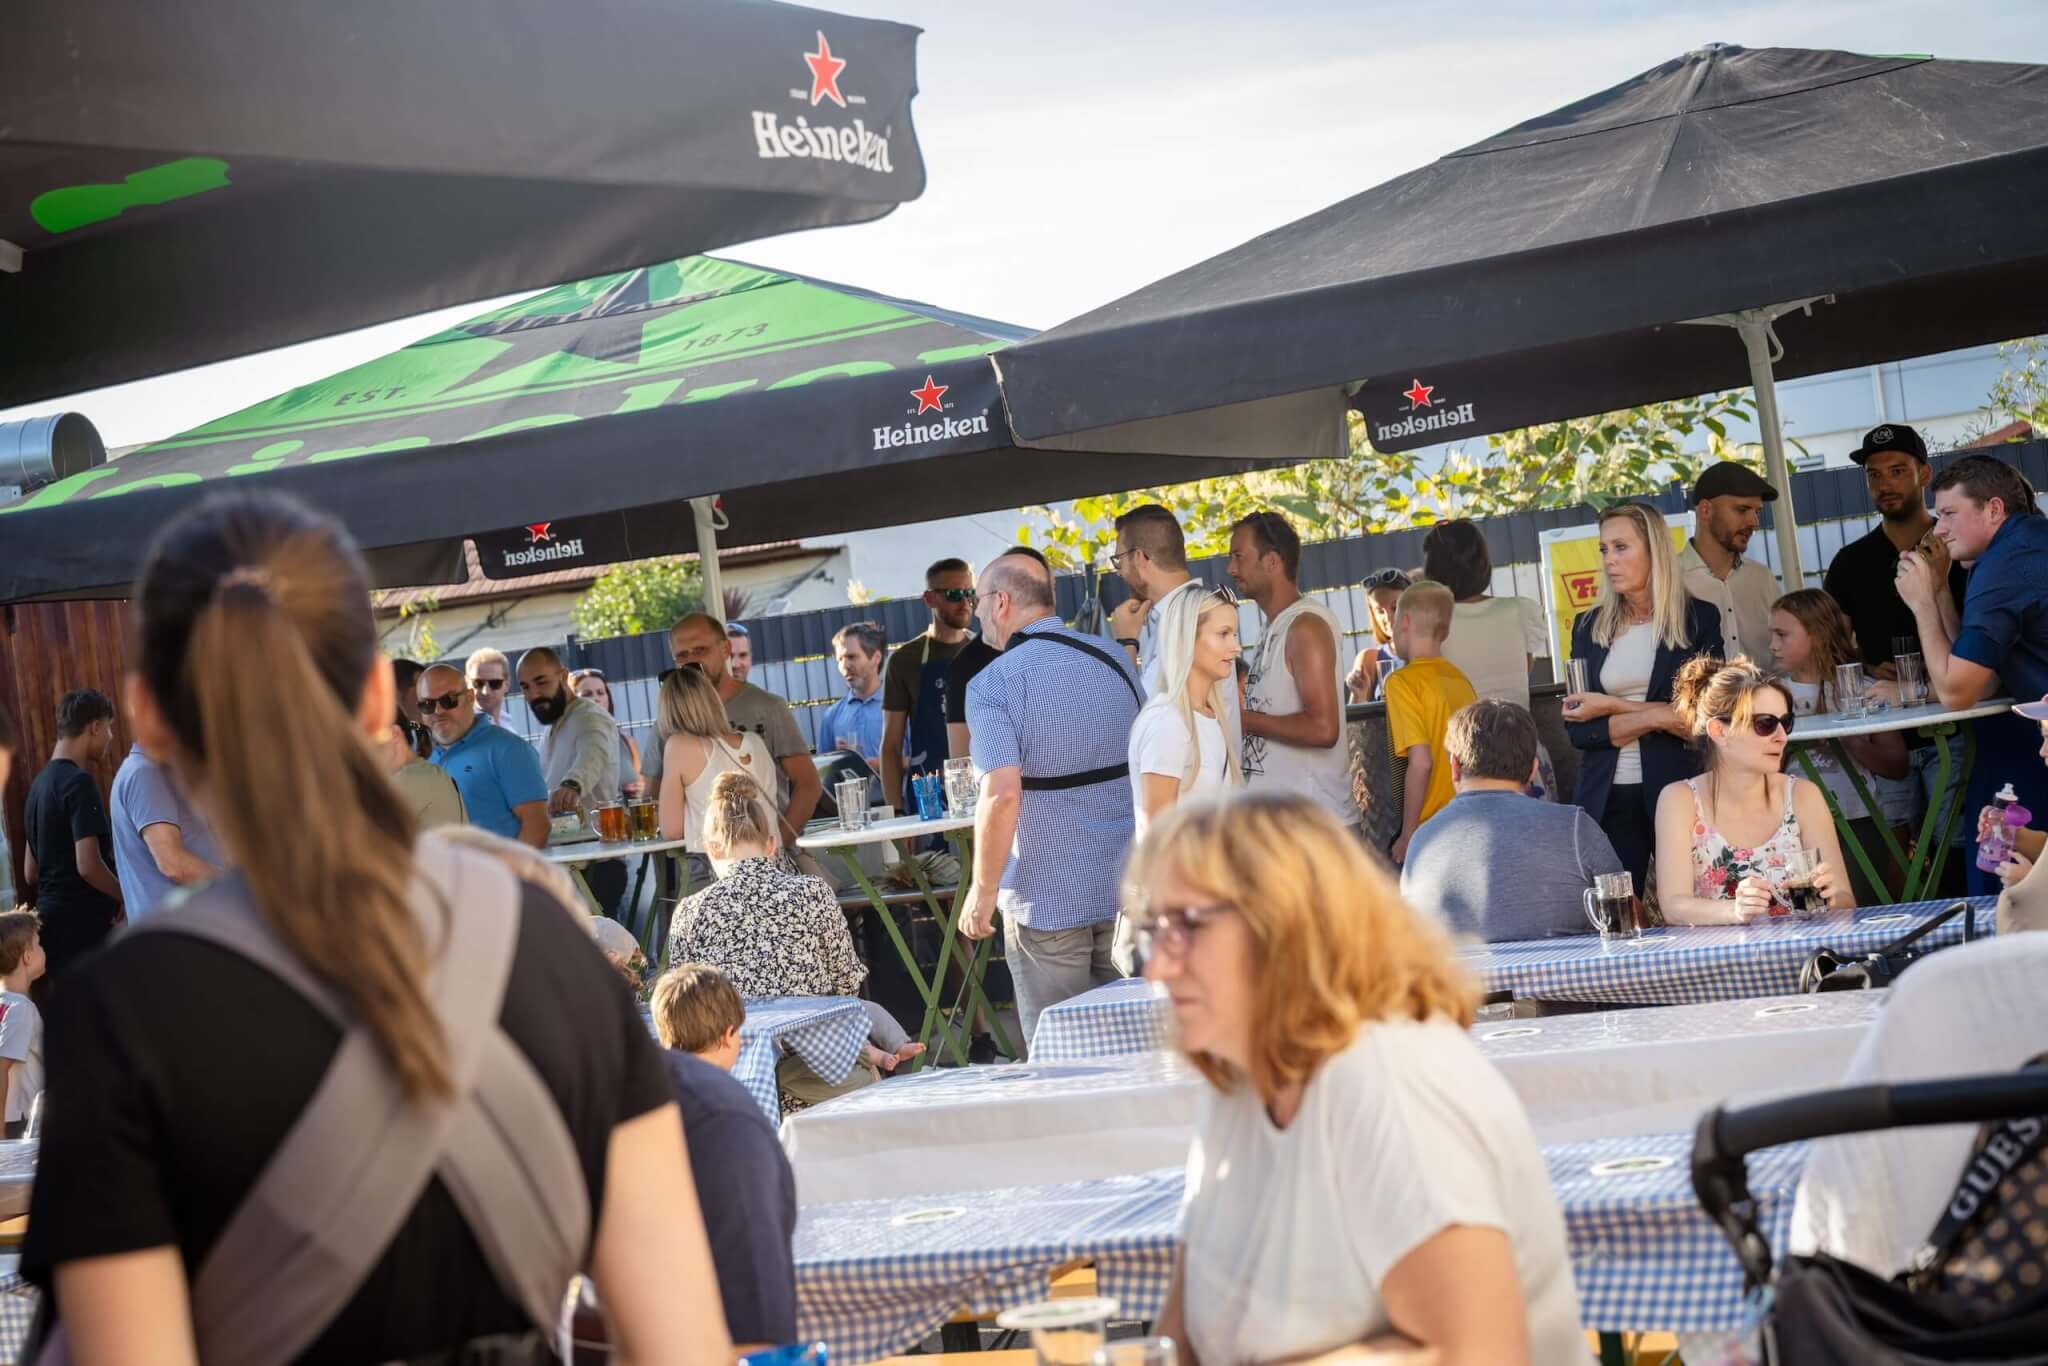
(2000,1149)
(1072,643)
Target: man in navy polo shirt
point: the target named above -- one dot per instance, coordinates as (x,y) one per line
(1984,510)
(498,774)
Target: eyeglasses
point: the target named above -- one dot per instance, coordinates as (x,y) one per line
(955,594)
(1168,931)
(447,701)
(487,684)
(1766,725)
(1384,578)
(1116,561)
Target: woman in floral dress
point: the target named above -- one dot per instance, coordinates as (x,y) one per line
(1729,841)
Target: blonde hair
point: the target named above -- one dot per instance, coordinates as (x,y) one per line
(1430,602)
(693,1005)
(1829,632)
(738,816)
(485,656)
(1180,627)
(1334,946)
(690,705)
(1707,690)
(1668,597)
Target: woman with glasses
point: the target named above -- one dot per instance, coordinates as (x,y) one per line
(590,685)
(1358,1166)
(1383,589)
(1730,842)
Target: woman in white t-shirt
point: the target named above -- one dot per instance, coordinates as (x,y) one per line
(1178,750)
(1358,1167)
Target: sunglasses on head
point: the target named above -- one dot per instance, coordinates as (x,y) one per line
(447,701)
(1221,593)
(1384,578)
(955,594)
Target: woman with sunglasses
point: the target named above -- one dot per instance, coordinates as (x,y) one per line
(1358,1166)
(1729,842)
(1383,589)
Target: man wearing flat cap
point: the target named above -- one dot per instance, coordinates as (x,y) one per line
(1727,502)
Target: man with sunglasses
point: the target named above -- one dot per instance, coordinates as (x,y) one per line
(914,682)
(489,675)
(498,774)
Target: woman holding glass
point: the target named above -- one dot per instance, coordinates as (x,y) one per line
(1631,743)
(1358,1166)
(1742,839)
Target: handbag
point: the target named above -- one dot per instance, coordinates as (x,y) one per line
(1831,970)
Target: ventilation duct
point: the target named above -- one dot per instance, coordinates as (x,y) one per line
(41,450)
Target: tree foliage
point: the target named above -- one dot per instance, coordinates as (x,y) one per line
(2021,389)
(645,595)
(1590,461)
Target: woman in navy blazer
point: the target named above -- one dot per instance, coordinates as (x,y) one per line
(1634,641)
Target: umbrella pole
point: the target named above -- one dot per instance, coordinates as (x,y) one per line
(705,511)
(1754,326)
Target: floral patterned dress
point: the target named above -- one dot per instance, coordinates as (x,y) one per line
(1718,867)
(771,931)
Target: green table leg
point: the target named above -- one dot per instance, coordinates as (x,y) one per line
(590,899)
(1930,855)
(927,989)
(1850,842)
(972,997)
(671,885)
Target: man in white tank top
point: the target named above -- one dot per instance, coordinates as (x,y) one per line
(1294,738)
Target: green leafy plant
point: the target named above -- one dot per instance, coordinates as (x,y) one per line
(645,595)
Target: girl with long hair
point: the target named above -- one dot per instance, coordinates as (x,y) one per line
(1632,743)
(698,745)
(1383,589)
(181,1064)
(1358,1166)
(1729,840)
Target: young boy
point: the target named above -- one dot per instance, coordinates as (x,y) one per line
(697,1011)
(21,1024)
(1422,695)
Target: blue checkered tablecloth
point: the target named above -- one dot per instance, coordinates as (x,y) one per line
(1644,1254)
(876,1277)
(1130,1016)
(18,1303)
(825,1031)
(1688,964)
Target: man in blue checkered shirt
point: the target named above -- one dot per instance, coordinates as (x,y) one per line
(1051,724)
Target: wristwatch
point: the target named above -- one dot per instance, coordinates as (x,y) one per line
(1128,642)
(573,786)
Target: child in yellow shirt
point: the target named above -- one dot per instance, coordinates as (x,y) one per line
(1421,697)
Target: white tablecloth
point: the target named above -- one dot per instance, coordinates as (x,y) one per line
(980,1128)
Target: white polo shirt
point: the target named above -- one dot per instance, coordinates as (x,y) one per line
(1745,599)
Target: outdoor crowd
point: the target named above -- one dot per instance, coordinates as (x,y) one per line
(1159,797)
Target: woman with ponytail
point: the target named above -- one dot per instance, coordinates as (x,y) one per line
(776,932)
(181,1062)
(1728,841)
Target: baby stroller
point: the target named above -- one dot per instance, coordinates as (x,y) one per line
(1977,1294)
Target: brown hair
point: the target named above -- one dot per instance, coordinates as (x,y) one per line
(18,929)
(1456,555)
(1827,627)
(1279,860)
(693,1006)
(1428,601)
(1494,740)
(1273,534)
(252,604)
(1707,690)
(739,815)
(1156,531)
(1984,477)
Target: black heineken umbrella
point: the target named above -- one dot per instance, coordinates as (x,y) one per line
(184,183)
(595,422)
(1837,210)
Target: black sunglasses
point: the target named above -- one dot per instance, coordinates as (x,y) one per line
(1766,725)
(1221,593)
(956,594)
(487,684)
(447,701)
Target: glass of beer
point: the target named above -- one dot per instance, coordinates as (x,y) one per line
(611,823)
(1806,900)
(1612,906)
(643,818)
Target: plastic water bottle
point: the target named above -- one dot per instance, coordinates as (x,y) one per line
(1996,847)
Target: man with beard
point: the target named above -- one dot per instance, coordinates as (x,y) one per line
(579,754)
(497,773)
(740,650)
(1727,502)
(914,700)
(1862,577)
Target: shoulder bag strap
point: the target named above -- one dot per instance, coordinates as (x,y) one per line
(1073,643)
(2001,1148)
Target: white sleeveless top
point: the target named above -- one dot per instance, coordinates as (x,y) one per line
(1323,775)
(750,757)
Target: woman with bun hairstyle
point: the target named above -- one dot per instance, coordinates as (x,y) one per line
(1728,840)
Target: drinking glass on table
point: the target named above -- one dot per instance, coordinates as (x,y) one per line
(1912,678)
(852,796)
(1612,907)
(1852,692)
(1063,1332)
(611,823)
(1138,1352)
(963,787)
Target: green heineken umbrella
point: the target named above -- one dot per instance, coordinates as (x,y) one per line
(594,422)
(184,183)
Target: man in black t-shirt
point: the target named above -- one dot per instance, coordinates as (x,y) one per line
(914,683)
(69,840)
(1863,577)
(976,655)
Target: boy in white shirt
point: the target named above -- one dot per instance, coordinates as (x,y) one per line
(21,1024)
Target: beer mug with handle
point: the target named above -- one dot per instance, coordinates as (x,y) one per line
(1611,906)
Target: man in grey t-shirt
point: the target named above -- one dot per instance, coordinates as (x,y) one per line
(1496,862)
(699,641)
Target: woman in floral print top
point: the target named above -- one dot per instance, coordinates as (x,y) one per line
(1728,841)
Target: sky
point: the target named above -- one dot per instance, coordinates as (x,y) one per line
(1078,150)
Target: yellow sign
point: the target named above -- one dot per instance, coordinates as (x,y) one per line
(1572,577)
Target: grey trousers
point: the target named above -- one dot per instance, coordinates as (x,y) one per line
(1049,966)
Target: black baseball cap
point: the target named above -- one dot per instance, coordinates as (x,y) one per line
(1892,436)
(1730,480)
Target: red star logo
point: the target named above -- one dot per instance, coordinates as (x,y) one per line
(536,532)
(825,69)
(1418,394)
(929,396)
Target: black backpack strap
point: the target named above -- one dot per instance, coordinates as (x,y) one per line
(1089,777)
(1075,643)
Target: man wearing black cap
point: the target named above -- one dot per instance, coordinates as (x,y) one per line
(1727,502)
(1863,576)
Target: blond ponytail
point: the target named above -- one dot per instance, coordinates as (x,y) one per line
(739,816)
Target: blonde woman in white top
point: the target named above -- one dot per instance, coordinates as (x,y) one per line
(698,743)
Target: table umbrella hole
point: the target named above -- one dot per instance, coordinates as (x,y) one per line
(928,1216)
(1521,1033)
(1631,1166)
(1769,1011)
